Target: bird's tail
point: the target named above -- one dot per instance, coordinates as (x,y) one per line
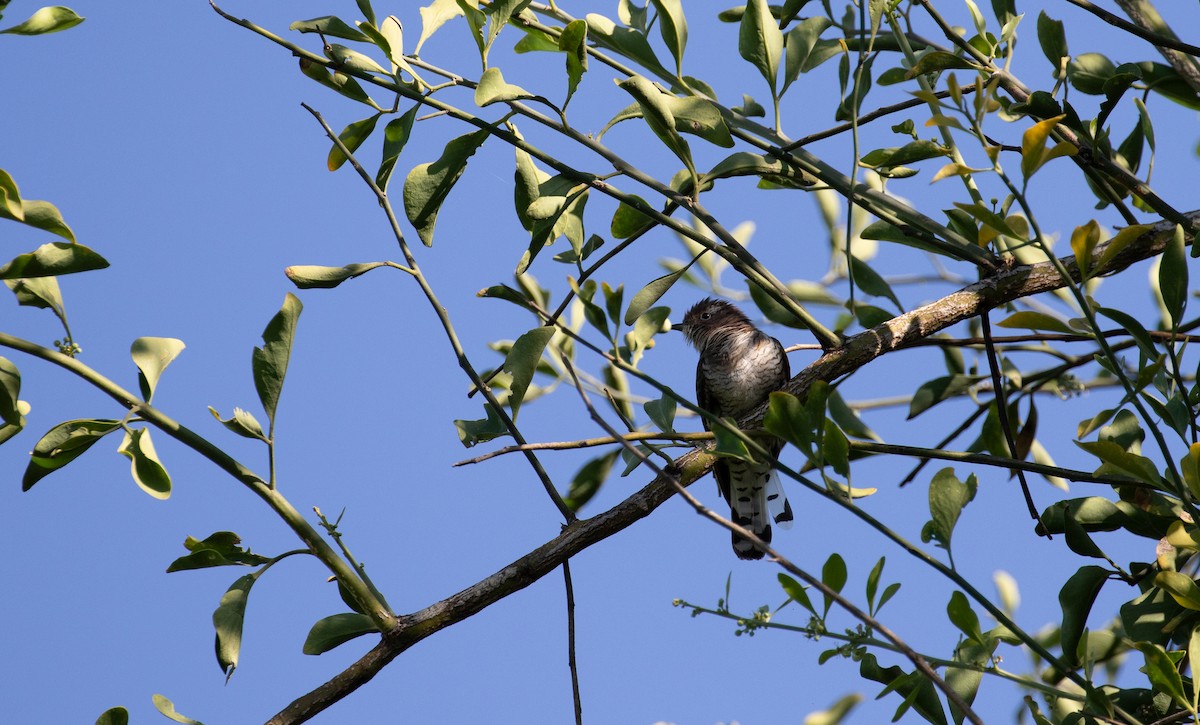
(756,500)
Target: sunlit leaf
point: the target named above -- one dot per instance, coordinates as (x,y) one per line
(269,363)
(335,630)
(152,355)
(428,185)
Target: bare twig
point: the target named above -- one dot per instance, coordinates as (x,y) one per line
(566,567)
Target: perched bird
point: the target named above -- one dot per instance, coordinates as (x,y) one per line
(739,367)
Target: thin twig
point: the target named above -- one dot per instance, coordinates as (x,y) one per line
(566,567)
(1115,20)
(1010,439)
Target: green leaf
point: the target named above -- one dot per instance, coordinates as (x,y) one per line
(62,444)
(801,40)
(628,220)
(628,42)
(331,27)
(522,361)
(10,197)
(1139,467)
(1173,277)
(311,276)
(588,479)
(1193,650)
(337,81)
(113,716)
(329,632)
(1161,669)
(390,39)
(935,391)
(1089,72)
(352,60)
(148,472)
(352,136)
(648,295)
(788,419)
(1078,539)
(662,413)
(871,282)
(493,89)
(428,185)
(936,61)
(835,450)
(573,41)
(833,575)
(433,17)
(228,619)
(222,548)
(1029,320)
(797,592)
(962,616)
(1181,587)
(656,112)
(46,20)
(10,391)
(500,11)
(990,218)
(729,445)
(52,260)
(1083,241)
(270,362)
(1076,598)
(474,432)
(242,423)
(1053,39)
(167,708)
(1189,465)
(760,42)
(152,355)
(947,498)
(673,26)
(917,691)
(909,153)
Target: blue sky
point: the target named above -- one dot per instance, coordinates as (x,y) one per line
(174,144)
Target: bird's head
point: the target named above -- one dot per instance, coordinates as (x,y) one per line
(709,320)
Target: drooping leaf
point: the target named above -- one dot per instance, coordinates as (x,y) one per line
(338,81)
(801,42)
(938,60)
(1030,320)
(1053,40)
(522,361)
(1162,671)
(656,112)
(428,185)
(935,391)
(311,276)
(269,363)
(148,472)
(797,592)
(62,444)
(628,42)
(836,713)
(628,220)
(1076,598)
(352,60)
(10,197)
(10,391)
(335,630)
(1033,144)
(52,260)
(352,136)
(588,479)
(962,616)
(1173,277)
(152,355)
(228,619)
(729,445)
(788,419)
(1089,72)
(573,42)
(760,42)
(499,13)
(871,282)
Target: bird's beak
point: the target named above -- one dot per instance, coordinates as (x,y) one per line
(679,327)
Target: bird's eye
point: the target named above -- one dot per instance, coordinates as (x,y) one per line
(705,315)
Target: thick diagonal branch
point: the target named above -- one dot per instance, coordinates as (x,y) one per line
(898,333)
